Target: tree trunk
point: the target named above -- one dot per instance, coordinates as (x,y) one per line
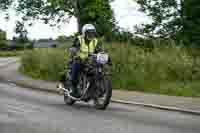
(182,8)
(182,14)
(79,23)
(77,14)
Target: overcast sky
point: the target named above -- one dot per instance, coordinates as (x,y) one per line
(126,13)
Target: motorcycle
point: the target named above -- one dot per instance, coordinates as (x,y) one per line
(94,83)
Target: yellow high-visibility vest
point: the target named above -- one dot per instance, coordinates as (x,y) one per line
(85,49)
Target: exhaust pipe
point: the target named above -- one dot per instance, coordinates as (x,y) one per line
(68,92)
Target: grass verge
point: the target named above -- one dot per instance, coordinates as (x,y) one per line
(169,69)
(10,53)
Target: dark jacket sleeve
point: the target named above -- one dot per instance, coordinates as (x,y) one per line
(76,43)
(99,48)
(75,48)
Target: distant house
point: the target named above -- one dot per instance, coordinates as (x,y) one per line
(45,43)
(11,43)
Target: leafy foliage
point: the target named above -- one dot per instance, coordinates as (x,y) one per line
(99,13)
(4,4)
(55,12)
(3,42)
(192,21)
(120,36)
(21,31)
(167,16)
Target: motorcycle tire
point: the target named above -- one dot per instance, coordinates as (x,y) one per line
(108,94)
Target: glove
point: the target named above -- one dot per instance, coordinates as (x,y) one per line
(73,51)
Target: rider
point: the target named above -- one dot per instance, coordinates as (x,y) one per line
(83,45)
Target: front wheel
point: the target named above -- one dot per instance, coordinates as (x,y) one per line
(103,101)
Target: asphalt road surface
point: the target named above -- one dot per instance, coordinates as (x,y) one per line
(29,111)
(6,61)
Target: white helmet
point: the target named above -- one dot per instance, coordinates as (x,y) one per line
(88,28)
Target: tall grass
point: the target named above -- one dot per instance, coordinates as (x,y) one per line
(10,53)
(45,64)
(166,69)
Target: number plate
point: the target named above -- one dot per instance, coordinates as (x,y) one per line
(102,58)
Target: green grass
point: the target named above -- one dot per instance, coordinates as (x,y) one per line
(45,64)
(168,69)
(10,53)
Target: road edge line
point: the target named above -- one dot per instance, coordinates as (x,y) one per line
(157,106)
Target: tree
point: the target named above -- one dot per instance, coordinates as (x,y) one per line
(5,4)
(99,13)
(21,31)
(167,16)
(55,12)
(22,41)
(64,39)
(3,42)
(192,21)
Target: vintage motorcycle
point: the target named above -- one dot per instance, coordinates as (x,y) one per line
(94,83)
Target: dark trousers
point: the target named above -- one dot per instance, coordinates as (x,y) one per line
(76,68)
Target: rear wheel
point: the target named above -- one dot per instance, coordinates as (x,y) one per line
(104,99)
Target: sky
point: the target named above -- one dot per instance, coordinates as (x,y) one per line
(126,13)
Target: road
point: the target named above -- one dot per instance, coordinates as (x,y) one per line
(28,111)
(6,61)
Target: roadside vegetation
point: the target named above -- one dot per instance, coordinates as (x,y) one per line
(47,64)
(164,69)
(10,53)
(16,48)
